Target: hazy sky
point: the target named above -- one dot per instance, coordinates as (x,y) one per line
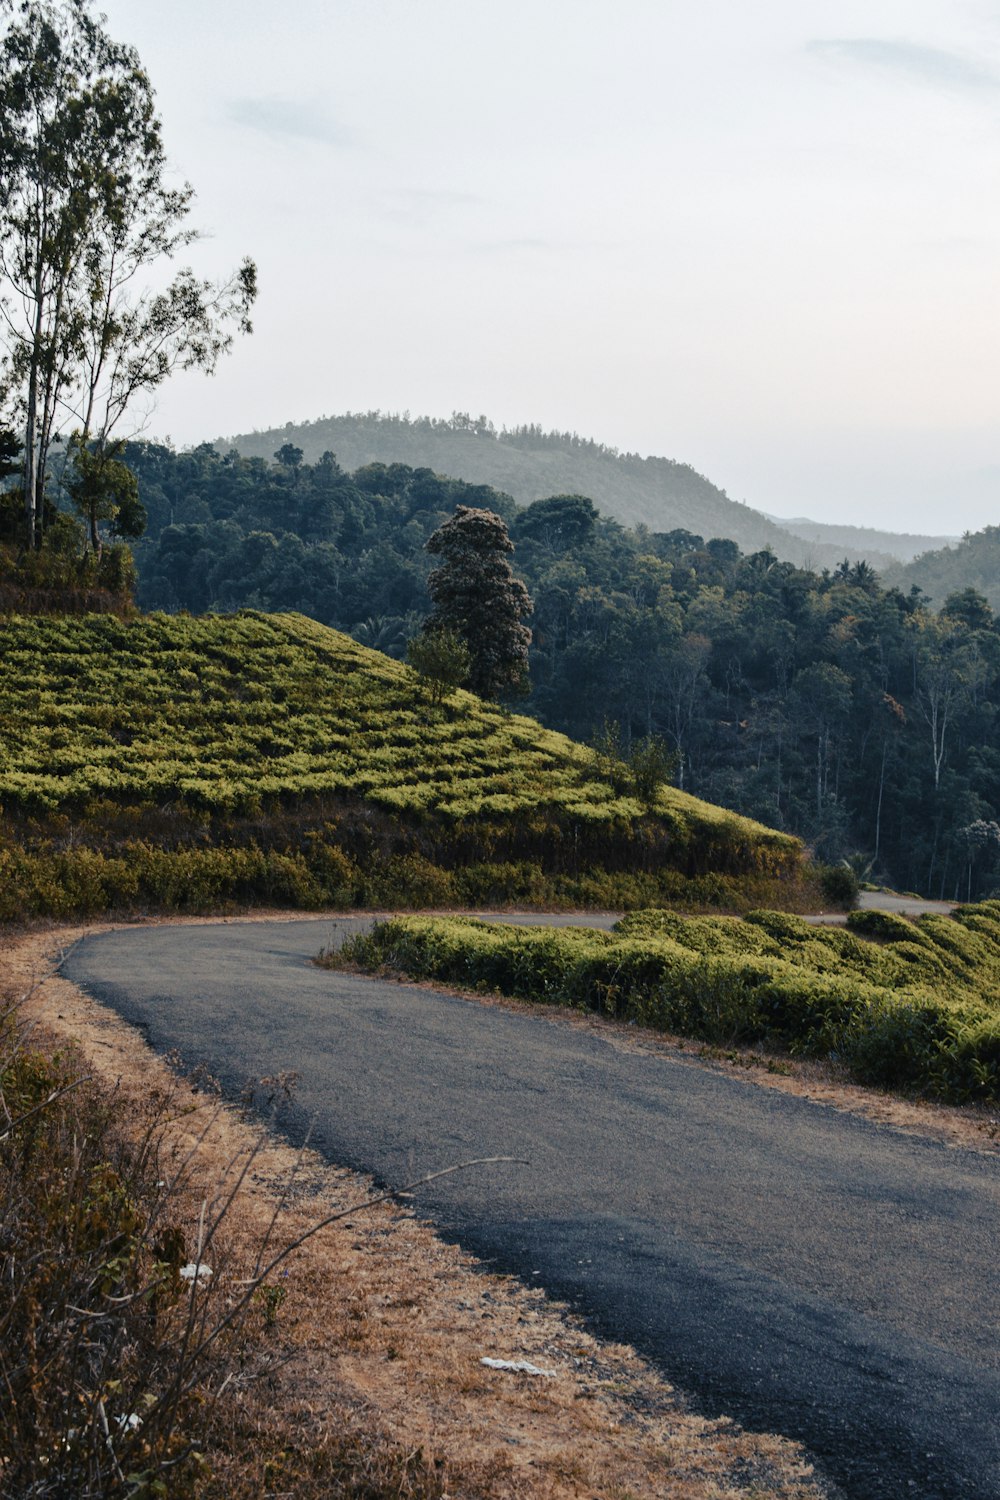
(763,239)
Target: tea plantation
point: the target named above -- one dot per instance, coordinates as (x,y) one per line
(904,1004)
(172,762)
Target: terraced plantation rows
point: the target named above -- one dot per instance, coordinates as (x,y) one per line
(175,743)
(226,711)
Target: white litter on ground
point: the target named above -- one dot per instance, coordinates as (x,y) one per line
(192,1272)
(518,1366)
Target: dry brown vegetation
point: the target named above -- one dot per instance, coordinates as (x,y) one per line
(356,1369)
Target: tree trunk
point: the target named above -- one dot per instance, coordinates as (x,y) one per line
(819,774)
(878,808)
(31,457)
(30,462)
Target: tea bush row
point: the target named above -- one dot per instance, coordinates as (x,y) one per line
(141,877)
(920,1009)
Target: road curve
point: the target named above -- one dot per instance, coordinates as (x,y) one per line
(905,906)
(803,1270)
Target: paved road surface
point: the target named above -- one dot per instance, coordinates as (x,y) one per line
(908,906)
(800,1269)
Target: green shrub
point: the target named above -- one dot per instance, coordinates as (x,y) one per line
(409,880)
(335,872)
(653,765)
(910,1014)
(503,883)
(885,926)
(840,885)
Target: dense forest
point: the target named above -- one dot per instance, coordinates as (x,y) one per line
(820,703)
(529,463)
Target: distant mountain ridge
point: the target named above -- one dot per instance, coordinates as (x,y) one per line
(901,546)
(531,464)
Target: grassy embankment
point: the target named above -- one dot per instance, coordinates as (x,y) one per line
(170,763)
(913,1005)
(128,1309)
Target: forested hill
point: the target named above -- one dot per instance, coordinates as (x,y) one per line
(822,704)
(530,464)
(973,562)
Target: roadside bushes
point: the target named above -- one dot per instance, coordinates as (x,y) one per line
(63,879)
(901,1015)
(840,886)
(503,883)
(84,882)
(407,880)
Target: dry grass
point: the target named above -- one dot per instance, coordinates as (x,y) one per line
(359,1370)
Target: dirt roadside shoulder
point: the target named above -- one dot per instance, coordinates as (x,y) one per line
(384,1324)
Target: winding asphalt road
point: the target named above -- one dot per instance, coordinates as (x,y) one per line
(803,1270)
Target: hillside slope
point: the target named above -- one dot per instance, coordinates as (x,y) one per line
(974,562)
(531,465)
(266,756)
(883,549)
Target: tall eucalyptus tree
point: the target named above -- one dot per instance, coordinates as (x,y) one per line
(84,210)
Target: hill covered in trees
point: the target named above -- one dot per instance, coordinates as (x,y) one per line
(528,464)
(973,562)
(822,704)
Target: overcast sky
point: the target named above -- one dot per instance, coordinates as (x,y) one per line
(763,239)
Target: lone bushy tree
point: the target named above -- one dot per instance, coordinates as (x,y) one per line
(441,660)
(476,595)
(102,488)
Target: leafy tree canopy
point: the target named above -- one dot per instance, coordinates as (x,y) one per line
(476,596)
(561,522)
(821,703)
